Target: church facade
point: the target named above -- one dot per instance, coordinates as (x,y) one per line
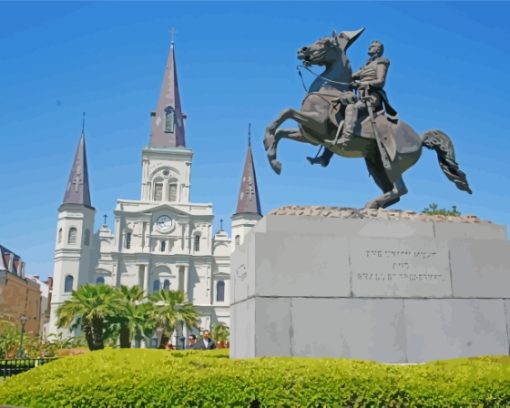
(161,241)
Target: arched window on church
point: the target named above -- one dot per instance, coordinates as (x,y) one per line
(162,246)
(60,235)
(238,240)
(100,280)
(169,119)
(220,291)
(128,240)
(158,191)
(156,285)
(166,284)
(87,237)
(197,243)
(172,192)
(68,284)
(71,237)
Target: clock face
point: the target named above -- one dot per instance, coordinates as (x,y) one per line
(164,223)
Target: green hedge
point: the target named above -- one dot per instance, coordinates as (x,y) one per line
(158,378)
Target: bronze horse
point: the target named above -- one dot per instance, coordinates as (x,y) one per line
(318,122)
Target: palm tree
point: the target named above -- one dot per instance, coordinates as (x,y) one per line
(88,308)
(220,332)
(131,316)
(168,308)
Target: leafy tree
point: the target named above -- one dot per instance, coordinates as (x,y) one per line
(168,308)
(88,308)
(9,339)
(433,209)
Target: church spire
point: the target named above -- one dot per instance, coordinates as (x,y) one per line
(168,120)
(248,201)
(77,191)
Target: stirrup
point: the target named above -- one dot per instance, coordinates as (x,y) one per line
(316,160)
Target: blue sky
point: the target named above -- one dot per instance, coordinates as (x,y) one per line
(237,64)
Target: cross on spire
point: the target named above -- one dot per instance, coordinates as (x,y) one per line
(77,181)
(221,224)
(83,123)
(172,35)
(105,217)
(249,134)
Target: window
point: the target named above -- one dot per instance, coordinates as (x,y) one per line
(158,191)
(166,285)
(68,284)
(220,291)
(71,238)
(172,192)
(128,240)
(155,285)
(87,237)
(197,243)
(162,246)
(60,235)
(100,280)
(238,240)
(169,119)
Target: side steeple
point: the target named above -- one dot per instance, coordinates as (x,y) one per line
(248,199)
(77,190)
(75,245)
(168,120)
(248,211)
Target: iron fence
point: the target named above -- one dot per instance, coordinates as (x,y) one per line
(20,365)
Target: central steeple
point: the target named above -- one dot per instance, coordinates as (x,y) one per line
(168,120)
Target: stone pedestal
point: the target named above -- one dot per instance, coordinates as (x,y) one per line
(386,286)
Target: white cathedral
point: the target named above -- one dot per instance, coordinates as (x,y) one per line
(162,241)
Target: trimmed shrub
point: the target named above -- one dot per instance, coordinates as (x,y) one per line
(157,378)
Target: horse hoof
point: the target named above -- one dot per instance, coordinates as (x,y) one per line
(372,205)
(276,166)
(268,141)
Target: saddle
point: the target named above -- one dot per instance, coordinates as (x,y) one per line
(386,120)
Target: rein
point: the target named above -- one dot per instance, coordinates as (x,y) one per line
(318,76)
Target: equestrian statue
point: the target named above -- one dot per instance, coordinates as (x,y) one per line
(350,115)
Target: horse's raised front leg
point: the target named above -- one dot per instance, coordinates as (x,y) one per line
(272,136)
(390,197)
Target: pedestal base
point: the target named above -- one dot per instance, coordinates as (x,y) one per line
(381,287)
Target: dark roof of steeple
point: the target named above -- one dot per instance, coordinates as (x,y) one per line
(248,201)
(169,104)
(77,190)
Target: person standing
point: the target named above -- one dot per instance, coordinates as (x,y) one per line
(206,343)
(192,342)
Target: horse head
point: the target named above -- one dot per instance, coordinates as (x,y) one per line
(322,52)
(328,50)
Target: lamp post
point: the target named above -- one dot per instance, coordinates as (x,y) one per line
(23,320)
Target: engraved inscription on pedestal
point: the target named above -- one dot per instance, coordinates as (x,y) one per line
(403,268)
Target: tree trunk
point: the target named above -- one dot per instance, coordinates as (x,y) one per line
(125,337)
(97,333)
(87,330)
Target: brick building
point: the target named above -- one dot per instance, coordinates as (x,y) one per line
(18,294)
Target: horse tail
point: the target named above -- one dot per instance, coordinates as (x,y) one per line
(442,144)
